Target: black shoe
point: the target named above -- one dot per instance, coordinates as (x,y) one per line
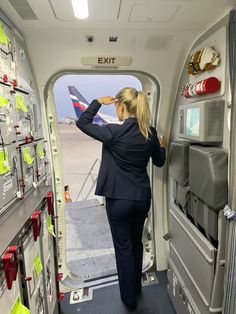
(131,307)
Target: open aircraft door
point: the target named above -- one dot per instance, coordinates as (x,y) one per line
(151,255)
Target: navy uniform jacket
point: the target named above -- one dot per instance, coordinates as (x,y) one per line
(125,155)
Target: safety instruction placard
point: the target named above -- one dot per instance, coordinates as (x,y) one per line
(38,267)
(39,150)
(4,101)
(4,162)
(19,308)
(27,156)
(20,104)
(4,39)
(50,226)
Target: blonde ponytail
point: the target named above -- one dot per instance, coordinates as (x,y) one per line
(143,114)
(137,105)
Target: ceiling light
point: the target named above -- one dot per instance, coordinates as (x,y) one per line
(80,8)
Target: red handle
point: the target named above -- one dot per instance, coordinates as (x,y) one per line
(13,250)
(60,296)
(9,268)
(49,198)
(59,276)
(36,222)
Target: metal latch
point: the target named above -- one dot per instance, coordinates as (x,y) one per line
(167,236)
(229,213)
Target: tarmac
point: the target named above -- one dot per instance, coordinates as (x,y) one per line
(79,152)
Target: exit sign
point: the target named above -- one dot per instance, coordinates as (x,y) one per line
(113,61)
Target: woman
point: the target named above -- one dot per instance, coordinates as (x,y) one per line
(124,181)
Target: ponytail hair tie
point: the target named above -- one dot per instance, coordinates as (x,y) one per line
(136,93)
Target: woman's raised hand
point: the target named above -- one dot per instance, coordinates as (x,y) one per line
(106,100)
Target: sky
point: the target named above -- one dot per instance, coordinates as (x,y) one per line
(91,87)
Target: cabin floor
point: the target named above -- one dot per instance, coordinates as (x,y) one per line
(106,300)
(90,255)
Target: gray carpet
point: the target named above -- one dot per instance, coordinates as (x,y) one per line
(154,300)
(89,247)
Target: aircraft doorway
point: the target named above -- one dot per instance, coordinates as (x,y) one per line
(88,243)
(80,153)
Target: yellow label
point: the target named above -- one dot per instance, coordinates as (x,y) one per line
(4,162)
(50,226)
(3,101)
(39,150)
(26,156)
(19,308)
(20,105)
(4,39)
(38,267)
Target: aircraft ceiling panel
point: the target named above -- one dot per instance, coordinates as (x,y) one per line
(153,13)
(24,9)
(102,10)
(162,15)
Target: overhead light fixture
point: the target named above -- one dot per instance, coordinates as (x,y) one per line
(80,8)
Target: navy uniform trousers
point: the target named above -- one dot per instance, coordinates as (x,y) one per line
(126,219)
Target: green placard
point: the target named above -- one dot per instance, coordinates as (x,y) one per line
(3,101)
(4,39)
(20,105)
(4,162)
(39,150)
(19,308)
(38,267)
(50,226)
(26,156)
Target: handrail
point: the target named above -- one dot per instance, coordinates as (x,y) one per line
(94,181)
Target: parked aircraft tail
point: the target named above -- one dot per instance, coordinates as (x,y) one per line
(80,104)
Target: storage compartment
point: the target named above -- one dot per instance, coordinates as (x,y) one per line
(179,162)
(179,171)
(9,297)
(208,181)
(47,250)
(33,265)
(38,128)
(24,124)
(208,174)
(204,218)
(195,253)
(180,195)
(41,159)
(7,116)
(28,166)
(178,292)
(9,175)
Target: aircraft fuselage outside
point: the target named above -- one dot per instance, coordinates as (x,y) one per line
(80,104)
